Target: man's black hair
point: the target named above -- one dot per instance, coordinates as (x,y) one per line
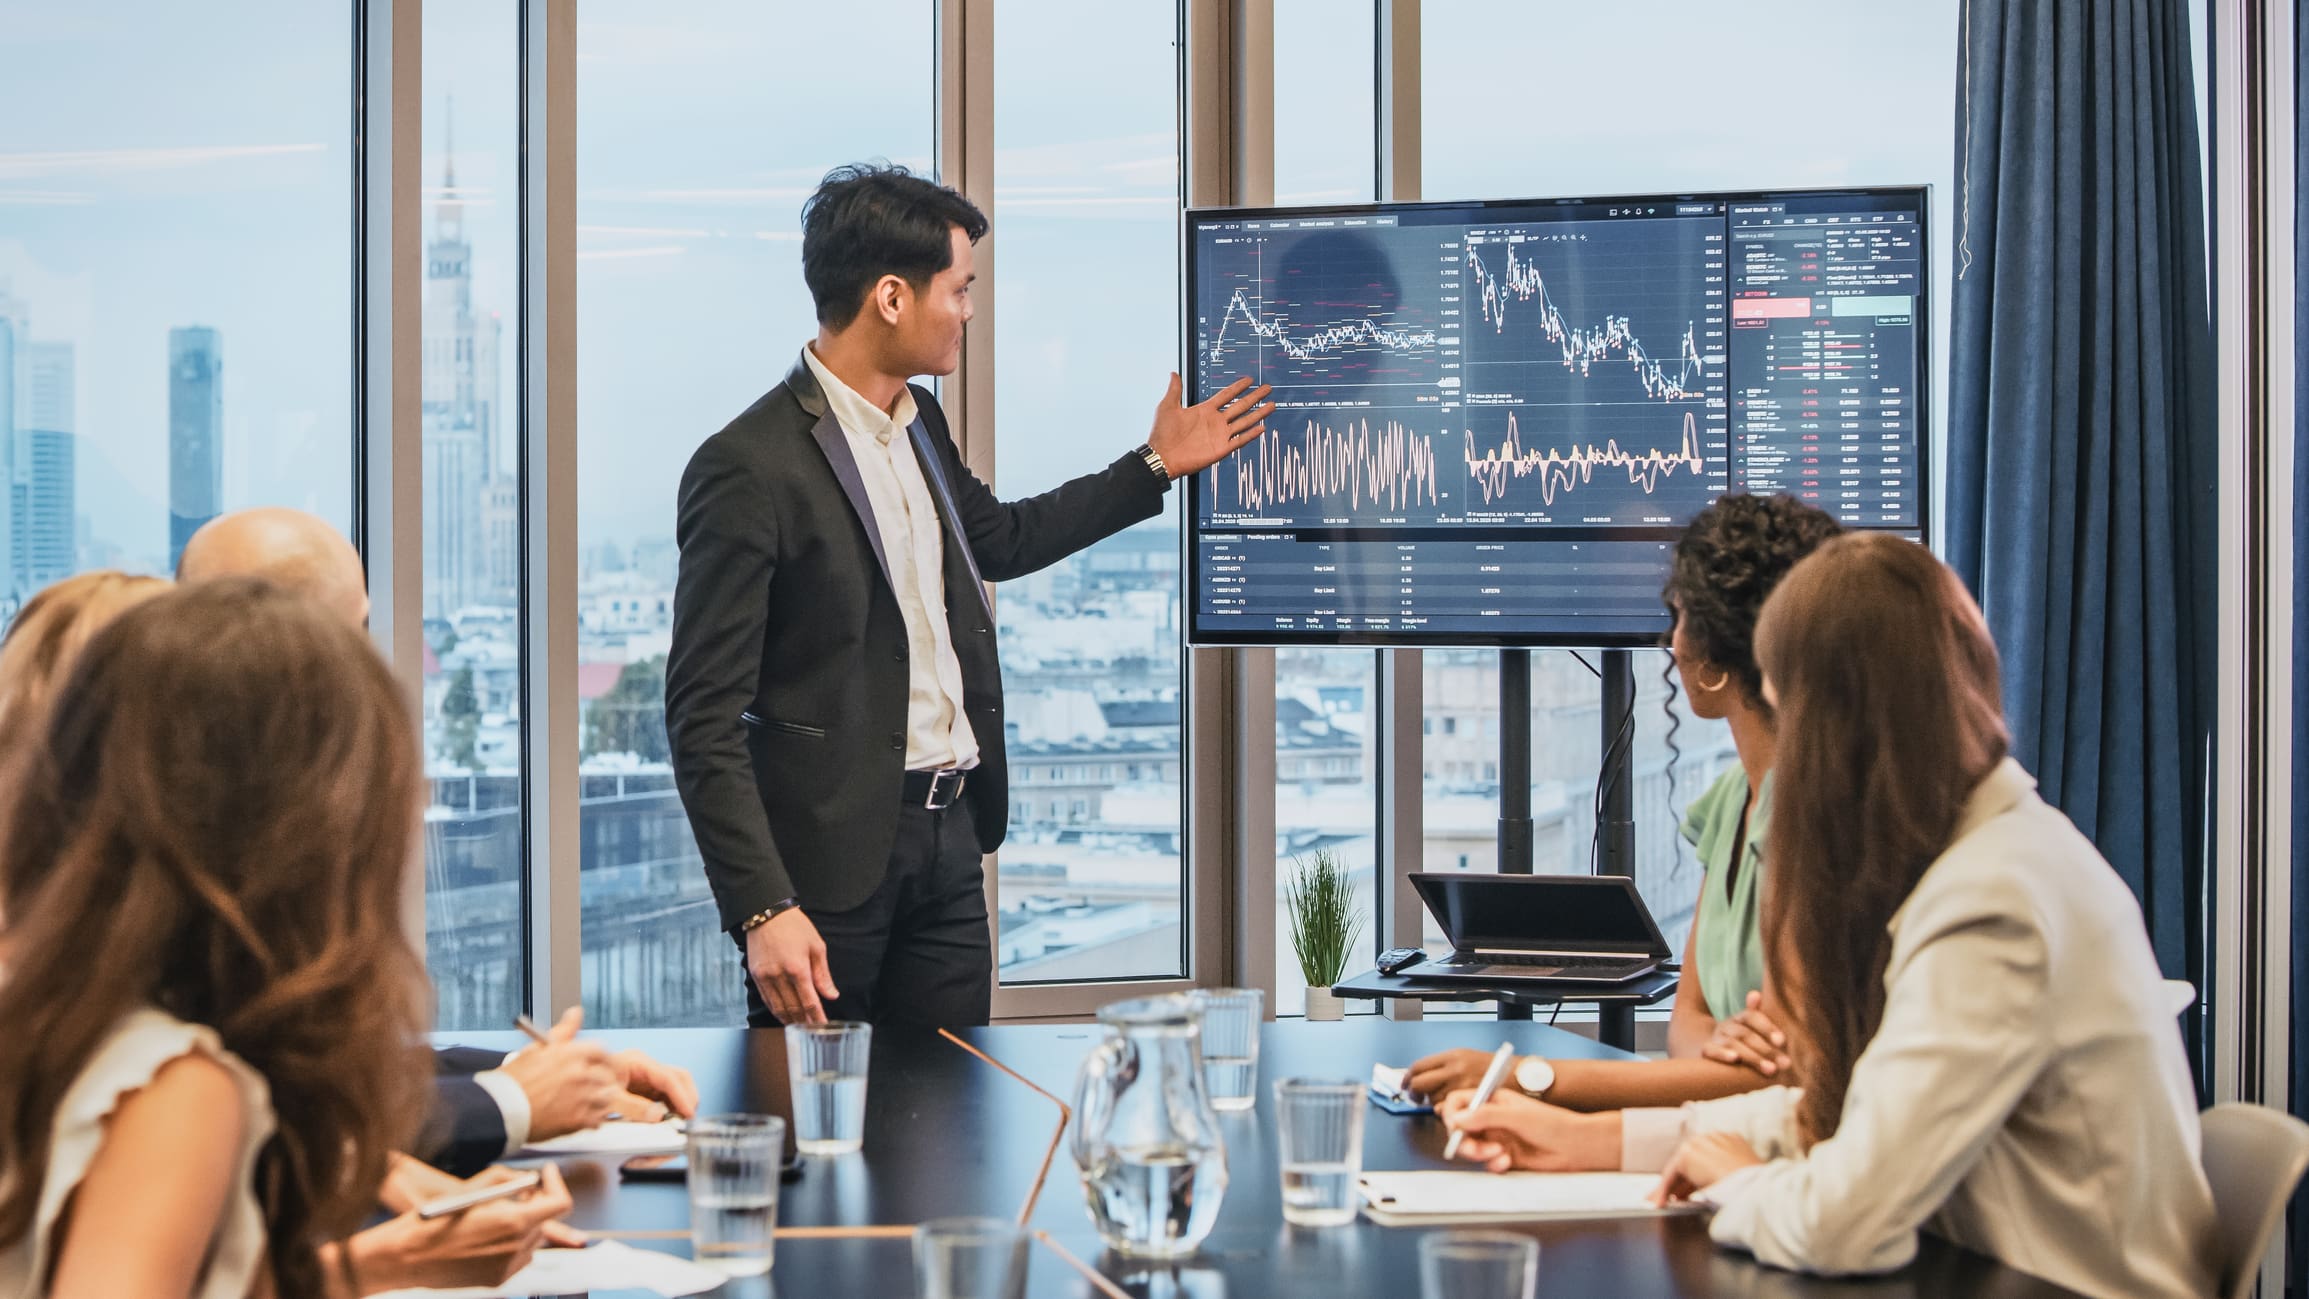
(868,220)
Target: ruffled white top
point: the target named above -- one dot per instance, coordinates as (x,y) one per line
(144,1041)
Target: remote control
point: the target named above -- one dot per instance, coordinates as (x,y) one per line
(1396,959)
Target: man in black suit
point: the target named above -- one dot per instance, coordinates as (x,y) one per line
(832,694)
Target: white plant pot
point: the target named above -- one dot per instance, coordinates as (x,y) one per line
(1324,1005)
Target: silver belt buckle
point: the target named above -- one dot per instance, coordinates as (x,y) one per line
(930,801)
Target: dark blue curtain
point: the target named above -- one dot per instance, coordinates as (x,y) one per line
(2082,423)
(2297,1249)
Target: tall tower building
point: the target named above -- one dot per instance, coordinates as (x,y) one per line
(460,389)
(12,589)
(43,504)
(195,433)
(47,487)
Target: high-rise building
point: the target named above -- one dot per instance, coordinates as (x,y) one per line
(47,487)
(465,530)
(43,503)
(49,376)
(501,526)
(195,433)
(12,589)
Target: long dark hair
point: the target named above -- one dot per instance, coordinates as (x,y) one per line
(215,819)
(1888,719)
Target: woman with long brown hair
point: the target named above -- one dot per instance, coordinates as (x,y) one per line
(1974,1008)
(214,1017)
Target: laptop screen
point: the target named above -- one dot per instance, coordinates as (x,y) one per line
(1554,912)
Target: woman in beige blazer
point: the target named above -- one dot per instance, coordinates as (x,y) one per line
(1973,1004)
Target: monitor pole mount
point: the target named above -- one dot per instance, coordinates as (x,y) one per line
(1616,827)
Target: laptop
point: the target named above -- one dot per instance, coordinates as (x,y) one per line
(1547,928)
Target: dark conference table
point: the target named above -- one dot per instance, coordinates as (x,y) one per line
(948,1135)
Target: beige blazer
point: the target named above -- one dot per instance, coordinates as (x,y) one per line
(2026,1096)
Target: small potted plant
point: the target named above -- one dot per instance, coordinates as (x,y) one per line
(1324,925)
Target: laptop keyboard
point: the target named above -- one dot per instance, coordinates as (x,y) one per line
(1555,962)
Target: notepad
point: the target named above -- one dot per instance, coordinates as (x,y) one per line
(1431,1198)
(617,1138)
(606,1266)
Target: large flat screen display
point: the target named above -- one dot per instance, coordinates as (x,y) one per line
(1494,418)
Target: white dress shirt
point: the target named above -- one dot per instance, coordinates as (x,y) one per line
(938,733)
(512,1102)
(2026,1094)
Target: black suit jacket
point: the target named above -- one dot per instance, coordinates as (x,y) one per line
(465,1133)
(785,690)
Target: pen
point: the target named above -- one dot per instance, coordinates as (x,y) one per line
(1492,1077)
(464,1200)
(529,1026)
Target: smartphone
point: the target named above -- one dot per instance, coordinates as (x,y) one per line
(675,1168)
(1398,1103)
(655,1168)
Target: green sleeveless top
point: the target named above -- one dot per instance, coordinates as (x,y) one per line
(1727,950)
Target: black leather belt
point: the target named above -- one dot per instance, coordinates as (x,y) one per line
(935,790)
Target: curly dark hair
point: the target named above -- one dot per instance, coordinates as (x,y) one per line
(1728,560)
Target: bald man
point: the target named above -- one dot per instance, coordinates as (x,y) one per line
(289,548)
(487,1105)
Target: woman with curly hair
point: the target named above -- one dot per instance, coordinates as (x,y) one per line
(1721,1038)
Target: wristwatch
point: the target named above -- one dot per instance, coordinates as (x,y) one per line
(1533,1076)
(1154,461)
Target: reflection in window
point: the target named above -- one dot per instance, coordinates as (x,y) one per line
(692,168)
(1086,198)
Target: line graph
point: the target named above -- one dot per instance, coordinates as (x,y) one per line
(1386,467)
(1494,469)
(1322,340)
(1583,348)
(1332,317)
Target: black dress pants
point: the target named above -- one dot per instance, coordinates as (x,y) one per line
(918,950)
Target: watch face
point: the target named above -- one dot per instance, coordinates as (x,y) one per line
(1534,1075)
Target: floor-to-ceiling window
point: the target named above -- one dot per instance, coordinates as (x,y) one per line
(1092,879)
(1326,700)
(175,277)
(1520,103)
(694,159)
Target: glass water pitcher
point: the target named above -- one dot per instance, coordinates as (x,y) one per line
(1154,1168)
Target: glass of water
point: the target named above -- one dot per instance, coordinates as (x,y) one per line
(827,1065)
(1478,1265)
(1320,1123)
(733,1190)
(1230,1020)
(969,1258)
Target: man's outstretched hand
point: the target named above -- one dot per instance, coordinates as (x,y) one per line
(1195,437)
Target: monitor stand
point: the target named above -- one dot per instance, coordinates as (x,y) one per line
(1615,825)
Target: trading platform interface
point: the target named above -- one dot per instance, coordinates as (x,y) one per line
(1493,419)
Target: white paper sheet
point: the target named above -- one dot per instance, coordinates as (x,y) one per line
(606,1266)
(615,1138)
(1507,1197)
